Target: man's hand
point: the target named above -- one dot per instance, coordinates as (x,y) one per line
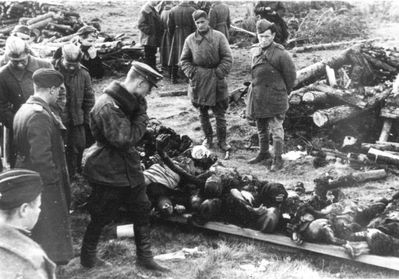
(92,52)
(162,142)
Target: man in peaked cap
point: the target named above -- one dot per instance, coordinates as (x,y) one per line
(20,201)
(40,148)
(118,121)
(273,76)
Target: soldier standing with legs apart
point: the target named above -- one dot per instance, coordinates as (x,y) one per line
(273,76)
(206,60)
(118,121)
(39,146)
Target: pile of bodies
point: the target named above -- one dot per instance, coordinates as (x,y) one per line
(185,179)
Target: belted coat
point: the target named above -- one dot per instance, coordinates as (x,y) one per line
(273,76)
(206,60)
(219,18)
(39,146)
(117,127)
(180,25)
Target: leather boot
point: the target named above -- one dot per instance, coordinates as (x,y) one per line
(207,129)
(143,249)
(262,156)
(278,160)
(88,254)
(221,134)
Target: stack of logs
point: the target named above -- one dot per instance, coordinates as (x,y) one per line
(47,21)
(367,86)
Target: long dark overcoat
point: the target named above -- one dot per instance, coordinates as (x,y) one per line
(180,25)
(219,18)
(150,26)
(39,145)
(164,49)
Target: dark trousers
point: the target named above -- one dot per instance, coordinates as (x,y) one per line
(75,144)
(150,56)
(219,111)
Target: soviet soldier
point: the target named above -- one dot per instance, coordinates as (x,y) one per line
(273,76)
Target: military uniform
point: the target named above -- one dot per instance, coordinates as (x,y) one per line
(118,121)
(40,148)
(219,18)
(273,76)
(207,60)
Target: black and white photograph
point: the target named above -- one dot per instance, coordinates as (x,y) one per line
(199,139)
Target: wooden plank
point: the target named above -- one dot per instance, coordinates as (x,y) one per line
(324,249)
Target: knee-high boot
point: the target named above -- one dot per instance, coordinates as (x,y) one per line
(88,253)
(143,249)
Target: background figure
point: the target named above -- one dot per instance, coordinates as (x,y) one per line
(166,41)
(40,148)
(273,76)
(273,11)
(180,25)
(79,102)
(118,121)
(219,18)
(20,256)
(151,28)
(206,60)
(87,37)
(16,83)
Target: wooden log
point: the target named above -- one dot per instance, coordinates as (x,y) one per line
(315,97)
(173,93)
(330,45)
(40,24)
(49,15)
(376,63)
(61,27)
(346,97)
(386,128)
(332,81)
(383,156)
(236,28)
(384,146)
(285,241)
(333,115)
(369,175)
(65,38)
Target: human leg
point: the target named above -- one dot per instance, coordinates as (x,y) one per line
(263,135)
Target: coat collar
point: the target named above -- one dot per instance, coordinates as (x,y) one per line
(208,36)
(32,66)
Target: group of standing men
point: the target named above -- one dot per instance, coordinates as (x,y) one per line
(35,100)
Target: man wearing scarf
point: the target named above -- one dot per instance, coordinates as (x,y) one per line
(118,121)
(206,60)
(79,102)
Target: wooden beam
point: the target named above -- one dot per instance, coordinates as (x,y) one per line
(324,249)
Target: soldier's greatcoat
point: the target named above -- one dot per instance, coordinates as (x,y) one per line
(39,146)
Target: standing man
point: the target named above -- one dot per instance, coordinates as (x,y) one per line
(274,11)
(20,256)
(180,25)
(219,18)
(206,60)
(40,148)
(273,76)
(166,41)
(151,29)
(118,121)
(79,102)
(16,84)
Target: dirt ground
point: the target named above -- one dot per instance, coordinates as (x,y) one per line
(178,113)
